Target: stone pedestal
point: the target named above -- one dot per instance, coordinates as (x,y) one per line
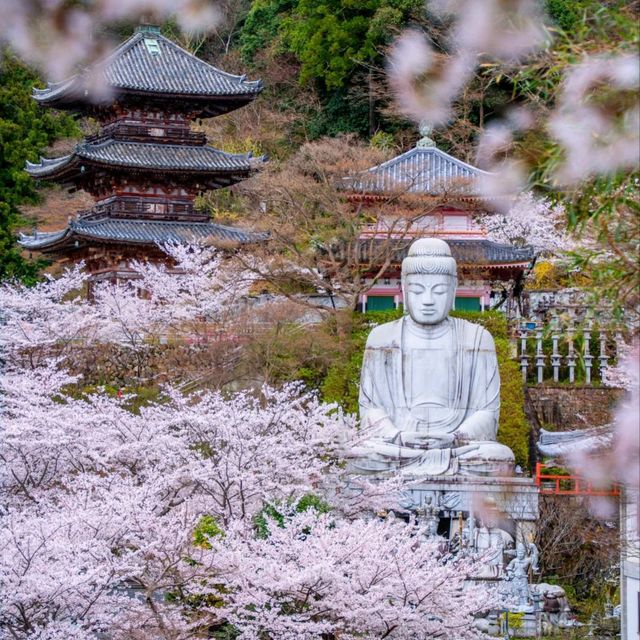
(457,497)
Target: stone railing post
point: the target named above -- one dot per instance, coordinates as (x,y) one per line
(524,360)
(555,355)
(603,360)
(588,358)
(539,356)
(571,355)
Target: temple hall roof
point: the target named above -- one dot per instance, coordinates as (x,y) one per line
(489,252)
(141,232)
(467,252)
(422,170)
(561,444)
(148,63)
(144,156)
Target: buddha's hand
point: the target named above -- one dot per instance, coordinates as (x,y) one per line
(423,440)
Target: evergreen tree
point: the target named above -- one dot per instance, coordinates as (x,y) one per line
(25,131)
(335,42)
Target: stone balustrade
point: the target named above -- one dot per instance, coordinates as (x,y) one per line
(575,354)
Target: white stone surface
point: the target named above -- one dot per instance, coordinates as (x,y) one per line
(430,389)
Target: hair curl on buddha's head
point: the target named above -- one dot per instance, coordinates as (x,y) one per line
(431,256)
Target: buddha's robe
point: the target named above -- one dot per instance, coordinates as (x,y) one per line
(430,406)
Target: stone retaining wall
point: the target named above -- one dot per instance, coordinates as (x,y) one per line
(565,408)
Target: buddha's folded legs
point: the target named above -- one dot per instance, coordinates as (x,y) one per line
(489,458)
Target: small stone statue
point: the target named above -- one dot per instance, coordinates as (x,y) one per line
(469,535)
(428,519)
(489,544)
(517,575)
(430,390)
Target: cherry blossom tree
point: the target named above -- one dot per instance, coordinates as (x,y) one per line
(136,522)
(532,221)
(362,579)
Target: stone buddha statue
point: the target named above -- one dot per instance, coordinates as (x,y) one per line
(430,389)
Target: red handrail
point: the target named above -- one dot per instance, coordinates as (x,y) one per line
(569,485)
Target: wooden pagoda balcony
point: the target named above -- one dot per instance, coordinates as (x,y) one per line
(146,209)
(150,131)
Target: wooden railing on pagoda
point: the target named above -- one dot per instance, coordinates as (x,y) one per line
(148,208)
(151,132)
(570,485)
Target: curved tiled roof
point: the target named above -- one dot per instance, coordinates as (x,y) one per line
(489,252)
(470,252)
(421,170)
(562,444)
(149,232)
(144,155)
(163,68)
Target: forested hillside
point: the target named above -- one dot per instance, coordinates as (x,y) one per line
(323,63)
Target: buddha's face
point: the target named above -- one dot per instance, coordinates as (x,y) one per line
(429,297)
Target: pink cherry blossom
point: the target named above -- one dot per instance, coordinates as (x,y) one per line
(102,503)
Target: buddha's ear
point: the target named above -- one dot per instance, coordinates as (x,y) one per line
(453,293)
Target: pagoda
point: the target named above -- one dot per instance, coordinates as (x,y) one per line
(145,166)
(444,191)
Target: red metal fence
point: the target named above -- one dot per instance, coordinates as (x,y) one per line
(570,485)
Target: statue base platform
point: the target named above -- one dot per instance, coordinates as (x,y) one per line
(455,498)
(516,624)
(516,497)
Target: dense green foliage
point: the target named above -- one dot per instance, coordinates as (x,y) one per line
(343,377)
(330,38)
(335,43)
(25,131)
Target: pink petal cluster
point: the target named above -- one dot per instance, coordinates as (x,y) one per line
(324,571)
(533,221)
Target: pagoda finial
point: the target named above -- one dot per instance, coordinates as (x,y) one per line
(151,29)
(425,131)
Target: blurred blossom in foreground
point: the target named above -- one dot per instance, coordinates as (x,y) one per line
(598,118)
(621,463)
(503,29)
(426,83)
(507,175)
(57,36)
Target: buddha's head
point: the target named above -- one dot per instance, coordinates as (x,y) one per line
(429,281)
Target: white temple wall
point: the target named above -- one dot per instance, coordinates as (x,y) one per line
(630,565)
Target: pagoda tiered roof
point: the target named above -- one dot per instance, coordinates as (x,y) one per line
(145,164)
(87,230)
(220,169)
(148,64)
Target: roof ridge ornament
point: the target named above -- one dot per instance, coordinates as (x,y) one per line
(425,130)
(149,29)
